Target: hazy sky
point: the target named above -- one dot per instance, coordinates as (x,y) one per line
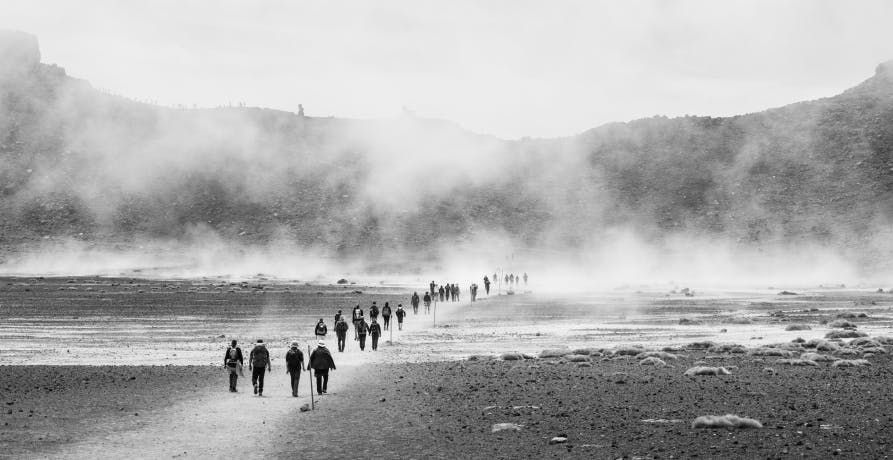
(511,68)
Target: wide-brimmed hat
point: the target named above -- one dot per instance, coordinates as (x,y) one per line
(322,344)
(294,344)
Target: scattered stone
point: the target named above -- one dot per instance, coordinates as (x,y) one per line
(305,407)
(497,427)
(725,421)
(558,440)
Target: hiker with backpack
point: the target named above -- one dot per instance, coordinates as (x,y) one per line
(441,291)
(338,316)
(341,333)
(321,330)
(375,332)
(401,313)
(427,300)
(294,362)
(486,285)
(357,314)
(373,312)
(259,360)
(321,362)
(233,362)
(362,328)
(414,301)
(386,315)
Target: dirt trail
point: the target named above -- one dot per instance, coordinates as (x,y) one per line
(217,424)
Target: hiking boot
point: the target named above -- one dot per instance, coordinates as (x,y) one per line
(255,389)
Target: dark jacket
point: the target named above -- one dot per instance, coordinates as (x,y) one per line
(373,311)
(427,298)
(362,327)
(321,329)
(400,314)
(294,360)
(375,330)
(321,359)
(337,317)
(227,361)
(386,311)
(259,356)
(415,299)
(357,313)
(341,327)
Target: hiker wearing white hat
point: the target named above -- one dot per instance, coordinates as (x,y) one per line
(321,362)
(294,363)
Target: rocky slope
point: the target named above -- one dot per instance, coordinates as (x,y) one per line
(80,163)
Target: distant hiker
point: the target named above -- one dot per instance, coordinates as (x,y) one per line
(337,316)
(512,279)
(506,281)
(362,329)
(259,360)
(400,314)
(373,312)
(427,301)
(357,314)
(525,278)
(473,290)
(486,285)
(375,332)
(321,361)
(432,286)
(294,362)
(441,291)
(233,362)
(321,330)
(386,315)
(457,291)
(341,333)
(414,301)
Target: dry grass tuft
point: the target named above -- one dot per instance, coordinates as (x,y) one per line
(706,370)
(628,351)
(728,348)
(725,421)
(512,356)
(705,345)
(841,323)
(656,354)
(577,358)
(769,351)
(652,361)
(845,334)
(796,362)
(822,345)
(850,363)
(817,357)
(553,353)
(798,327)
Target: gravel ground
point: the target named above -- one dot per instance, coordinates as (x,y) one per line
(448,409)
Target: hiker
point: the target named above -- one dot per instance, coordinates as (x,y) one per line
(375,332)
(487,285)
(321,330)
(457,291)
(432,286)
(525,278)
(506,281)
(341,333)
(259,361)
(233,362)
(321,361)
(373,312)
(414,300)
(357,314)
(400,314)
(338,316)
(473,290)
(362,329)
(427,300)
(512,279)
(294,362)
(386,315)
(441,291)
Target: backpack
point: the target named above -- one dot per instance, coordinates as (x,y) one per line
(261,357)
(293,358)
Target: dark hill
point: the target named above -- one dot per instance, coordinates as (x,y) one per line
(80,163)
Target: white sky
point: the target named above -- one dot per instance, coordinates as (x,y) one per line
(511,68)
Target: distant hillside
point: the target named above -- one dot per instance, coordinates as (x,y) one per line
(78,163)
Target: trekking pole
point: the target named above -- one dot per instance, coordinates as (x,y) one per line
(391,328)
(310,371)
(435,315)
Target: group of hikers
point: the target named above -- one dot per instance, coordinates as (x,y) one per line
(320,362)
